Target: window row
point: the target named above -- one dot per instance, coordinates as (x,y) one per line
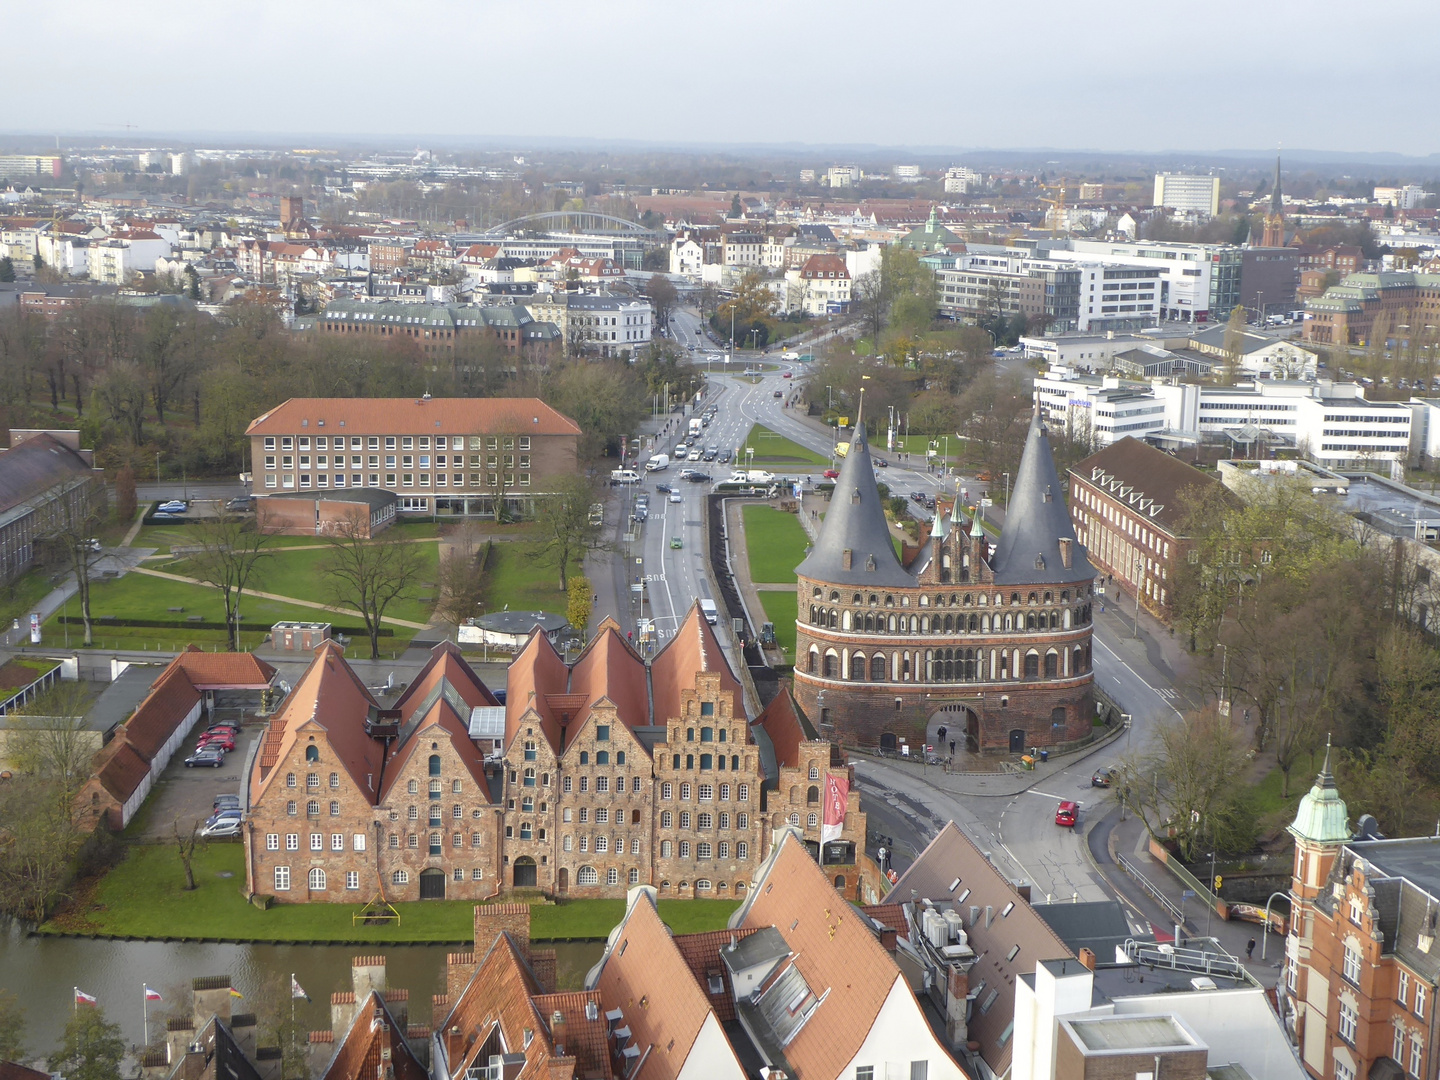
(947,665)
(1040,596)
(871,623)
(705,792)
(316,879)
(406,442)
(600,845)
(703,849)
(703,820)
(317,842)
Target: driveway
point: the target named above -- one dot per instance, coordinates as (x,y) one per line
(187,794)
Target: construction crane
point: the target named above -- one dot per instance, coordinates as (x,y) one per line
(1057,206)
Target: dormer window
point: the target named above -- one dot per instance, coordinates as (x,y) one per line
(1039,562)
(855,497)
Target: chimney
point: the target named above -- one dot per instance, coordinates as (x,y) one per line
(342,1013)
(1087,957)
(459,966)
(1023,888)
(367,973)
(1065,555)
(846,558)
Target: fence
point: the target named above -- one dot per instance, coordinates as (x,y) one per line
(1176,915)
(28,693)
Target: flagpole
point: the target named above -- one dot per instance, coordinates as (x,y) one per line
(145,1012)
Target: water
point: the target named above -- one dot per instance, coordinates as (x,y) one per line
(42,972)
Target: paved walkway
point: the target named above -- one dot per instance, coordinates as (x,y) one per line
(286,599)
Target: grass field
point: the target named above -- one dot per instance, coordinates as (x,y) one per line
(773,449)
(774,544)
(519,582)
(780,609)
(144,897)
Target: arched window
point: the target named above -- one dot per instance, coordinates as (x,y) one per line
(619,757)
(812,794)
(584,757)
(400,877)
(317,879)
(684,819)
(312,753)
(587,875)
(312,808)
(334,779)
(665,849)
(434,764)
(667,819)
(1032,665)
(529,778)
(602,757)
(812,821)
(1052,664)
(877,668)
(1077,661)
(742,849)
(828,670)
(704,820)
(795,819)
(722,850)
(845,620)
(857,667)
(813,663)
(689,761)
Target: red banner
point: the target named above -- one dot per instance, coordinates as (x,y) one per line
(837,794)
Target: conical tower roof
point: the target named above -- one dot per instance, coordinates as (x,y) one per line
(1036,521)
(1277,200)
(1322,817)
(854,546)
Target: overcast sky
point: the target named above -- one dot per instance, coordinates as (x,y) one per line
(953,73)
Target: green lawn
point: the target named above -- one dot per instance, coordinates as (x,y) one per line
(775,544)
(143,897)
(780,609)
(516,581)
(139,596)
(773,449)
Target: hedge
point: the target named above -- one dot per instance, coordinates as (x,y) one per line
(186,624)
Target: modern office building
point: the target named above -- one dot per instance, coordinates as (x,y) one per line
(1189,194)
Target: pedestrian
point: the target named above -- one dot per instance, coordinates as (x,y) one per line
(1250,950)
(952,747)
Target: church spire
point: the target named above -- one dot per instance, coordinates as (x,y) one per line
(1277,201)
(1274,234)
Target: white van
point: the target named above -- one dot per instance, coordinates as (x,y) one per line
(624,476)
(658,463)
(707,608)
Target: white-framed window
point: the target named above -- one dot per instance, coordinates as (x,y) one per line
(1402,993)
(359,841)
(317,879)
(292,841)
(1346,1027)
(352,879)
(1343,1071)
(612,876)
(337,841)
(1420,1000)
(400,877)
(272,841)
(587,875)
(317,841)
(282,879)
(1417,1055)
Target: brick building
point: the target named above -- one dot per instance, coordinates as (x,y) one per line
(47,483)
(1361,968)
(362,513)
(614,772)
(440,329)
(442,456)
(991,643)
(1128,503)
(1346,313)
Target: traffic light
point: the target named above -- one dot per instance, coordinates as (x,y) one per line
(1218,882)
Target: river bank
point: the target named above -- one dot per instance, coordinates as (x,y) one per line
(142,898)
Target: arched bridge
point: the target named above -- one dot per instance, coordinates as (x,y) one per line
(572,221)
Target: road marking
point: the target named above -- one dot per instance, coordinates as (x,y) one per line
(1137,675)
(1036,791)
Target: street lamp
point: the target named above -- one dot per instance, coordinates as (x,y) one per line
(1224,679)
(1007,491)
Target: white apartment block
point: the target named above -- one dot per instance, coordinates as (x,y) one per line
(1402,198)
(743,249)
(1332,424)
(687,256)
(907,174)
(609,325)
(843,175)
(1190,194)
(961,181)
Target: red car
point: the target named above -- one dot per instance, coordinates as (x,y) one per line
(831,474)
(1066,813)
(787,375)
(221,741)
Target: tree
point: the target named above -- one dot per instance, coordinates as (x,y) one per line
(736,210)
(7,269)
(231,550)
(370,573)
(664,297)
(90,1048)
(562,524)
(578,602)
(126,501)
(12,1027)
(461,585)
(185,844)
(1185,788)
(870,301)
(50,738)
(79,508)
(1234,344)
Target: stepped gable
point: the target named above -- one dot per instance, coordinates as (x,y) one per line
(694,648)
(1036,523)
(609,669)
(536,675)
(445,665)
(440,721)
(854,548)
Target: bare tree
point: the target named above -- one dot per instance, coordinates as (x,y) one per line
(185,844)
(563,525)
(371,573)
(232,549)
(79,509)
(461,585)
(49,737)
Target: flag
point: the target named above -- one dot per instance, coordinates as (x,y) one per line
(82,998)
(235,993)
(152,995)
(837,794)
(295,989)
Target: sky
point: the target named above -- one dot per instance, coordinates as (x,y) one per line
(1107,75)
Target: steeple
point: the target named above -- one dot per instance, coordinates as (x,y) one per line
(1038,545)
(1321,817)
(854,546)
(1274,234)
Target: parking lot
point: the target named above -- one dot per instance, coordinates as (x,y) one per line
(187,794)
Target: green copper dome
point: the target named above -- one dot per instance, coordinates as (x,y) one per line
(1322,817)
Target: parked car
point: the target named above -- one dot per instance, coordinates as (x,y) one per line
(219,739)
(225,725)
(1103,777)
(724,457)
(597,514)
(174,506)
(831,474)
(165,515)
(642,513)
(238,505)
(226,801)
(1066,813)
(212,756)
(221,825)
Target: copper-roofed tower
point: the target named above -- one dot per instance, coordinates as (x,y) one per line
(1274,235)
(992,645)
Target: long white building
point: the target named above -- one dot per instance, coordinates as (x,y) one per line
(1199,282)
(1188,194)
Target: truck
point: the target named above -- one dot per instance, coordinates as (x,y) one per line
(696,426)
(658,463)
(707,608)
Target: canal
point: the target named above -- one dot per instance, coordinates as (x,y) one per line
(42,972)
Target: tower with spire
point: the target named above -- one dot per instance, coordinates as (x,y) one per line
(1274,234)
(990,642)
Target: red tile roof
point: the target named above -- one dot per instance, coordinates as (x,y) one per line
(360,1053)
(446,663)
(225,670)
(537,671)
(702,956)
(645,976)
(824,266)
(783,721)
(124,772)
(13,1070)
(693,648)
(836,952)
(576,1035)
(171,698)
(609,668)
(379,416)
(499,993)
(440,721)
